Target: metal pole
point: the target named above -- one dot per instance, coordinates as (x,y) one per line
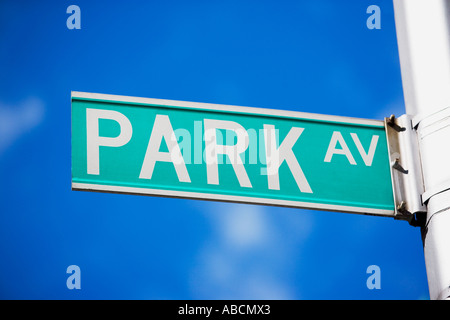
(423,35)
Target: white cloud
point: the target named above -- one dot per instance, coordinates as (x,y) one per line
(244,226)
(18,120)
(250,253)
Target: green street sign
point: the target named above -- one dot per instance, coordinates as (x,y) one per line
(228,153)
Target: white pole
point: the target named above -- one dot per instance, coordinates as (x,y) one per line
(423,35)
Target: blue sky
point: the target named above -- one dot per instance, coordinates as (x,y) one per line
(310,56)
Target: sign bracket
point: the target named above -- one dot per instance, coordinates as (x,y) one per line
(406,169)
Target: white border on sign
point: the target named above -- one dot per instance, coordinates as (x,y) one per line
(228,108)
(229,198)
(221,197)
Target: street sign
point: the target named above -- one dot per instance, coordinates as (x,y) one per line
(228,153)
